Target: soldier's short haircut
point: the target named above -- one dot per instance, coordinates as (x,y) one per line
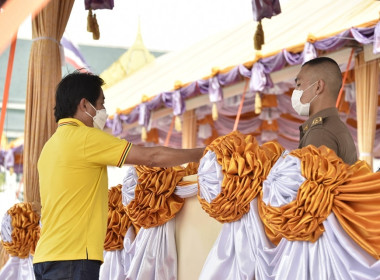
(330,69)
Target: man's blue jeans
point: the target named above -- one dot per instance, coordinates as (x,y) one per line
(70,270)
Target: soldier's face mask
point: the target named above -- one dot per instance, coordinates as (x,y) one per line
(298,106)
(100,118)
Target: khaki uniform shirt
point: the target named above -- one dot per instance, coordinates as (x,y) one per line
(326,128)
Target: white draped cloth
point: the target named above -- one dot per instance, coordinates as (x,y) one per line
(152,253)
(15,268)
(113,265)
(243,251)
(18,269)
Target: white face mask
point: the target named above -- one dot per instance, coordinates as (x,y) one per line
(301,109)
(100,118)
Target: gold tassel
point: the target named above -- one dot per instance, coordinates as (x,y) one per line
(257,103)
(92,25)
(214,112)
(258,38)
(143,134)
(89,21)
(178,124)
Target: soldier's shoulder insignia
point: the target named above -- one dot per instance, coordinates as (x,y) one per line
(305,128)
(316,121)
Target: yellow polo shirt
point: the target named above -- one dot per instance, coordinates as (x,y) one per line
(74,191)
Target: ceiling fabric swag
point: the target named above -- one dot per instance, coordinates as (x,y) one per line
(260,67)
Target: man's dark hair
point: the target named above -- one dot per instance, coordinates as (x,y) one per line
(71,89)
(331,71)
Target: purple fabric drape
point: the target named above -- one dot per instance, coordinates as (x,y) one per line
(260,78)
(376,43)
(260,81)
(309,52)
(144,115)
(190,90)
(231,77)
(363,35)
(273,63)
(293,58)
(203,86)
(178,103)
(265,9)
(334,42)
(98,4)
(215,90)
(117,126)
(9,159)
(244,72)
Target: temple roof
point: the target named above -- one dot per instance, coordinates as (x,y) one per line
(132,60)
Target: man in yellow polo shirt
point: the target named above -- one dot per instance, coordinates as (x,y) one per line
(73,180)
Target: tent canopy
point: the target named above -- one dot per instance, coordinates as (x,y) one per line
(300,21)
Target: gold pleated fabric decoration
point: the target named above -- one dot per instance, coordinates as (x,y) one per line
(302,218)
(191,168)
(351,192)
(4,256)
(357,207)
(118,220)
(26,231)
(245,165)
(155,202)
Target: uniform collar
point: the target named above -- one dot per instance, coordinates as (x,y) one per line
(321,114)
(70,121)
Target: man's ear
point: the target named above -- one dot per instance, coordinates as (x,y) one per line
(83,105)
(320,86)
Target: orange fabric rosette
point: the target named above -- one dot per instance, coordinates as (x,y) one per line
(26,230)
(352,193)
(118,220)
(155,202)
(302,218)
(245,165)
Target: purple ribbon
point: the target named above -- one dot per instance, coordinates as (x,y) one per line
(178,103)
(265,9)
(117,126)
(259,78)
(215,90)
(376,43)
(98,4)
(9,159)
(144,115)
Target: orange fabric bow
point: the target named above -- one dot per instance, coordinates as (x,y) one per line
(245,165)
(26,230)
(118,220)
(155,202)
(352,193)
